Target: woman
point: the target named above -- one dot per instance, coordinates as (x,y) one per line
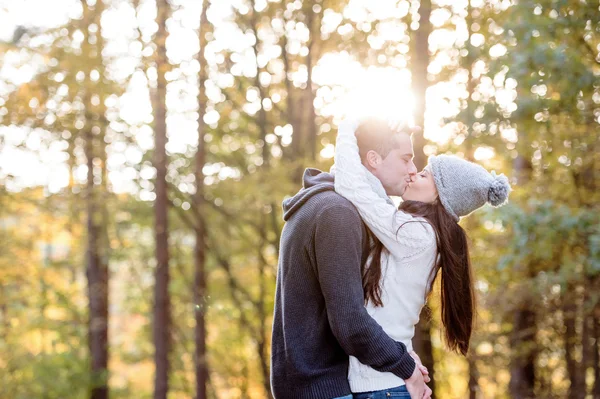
(416,240)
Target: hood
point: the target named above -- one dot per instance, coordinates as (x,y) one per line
(314,182)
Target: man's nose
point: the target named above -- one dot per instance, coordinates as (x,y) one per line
(414,168)
(412,171)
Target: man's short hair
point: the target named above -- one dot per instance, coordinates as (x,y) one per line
(374,134)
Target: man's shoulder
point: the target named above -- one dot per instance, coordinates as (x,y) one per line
(334,205)
(331,199)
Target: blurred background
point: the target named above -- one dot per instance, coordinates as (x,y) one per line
(146,147)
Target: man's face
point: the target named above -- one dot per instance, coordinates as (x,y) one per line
(397,169)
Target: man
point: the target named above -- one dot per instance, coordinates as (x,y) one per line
(319,318)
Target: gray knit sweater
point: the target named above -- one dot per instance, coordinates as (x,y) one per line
(320,318)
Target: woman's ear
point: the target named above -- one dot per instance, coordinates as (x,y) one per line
(373,159)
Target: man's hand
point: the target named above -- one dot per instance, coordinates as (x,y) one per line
(416,383)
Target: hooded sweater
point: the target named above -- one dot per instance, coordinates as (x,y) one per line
(319,318)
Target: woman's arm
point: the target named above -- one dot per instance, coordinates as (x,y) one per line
(383,219)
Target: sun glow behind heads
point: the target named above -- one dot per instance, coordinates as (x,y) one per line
(382,92)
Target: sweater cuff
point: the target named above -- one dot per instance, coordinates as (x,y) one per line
(348,127)
(407,365)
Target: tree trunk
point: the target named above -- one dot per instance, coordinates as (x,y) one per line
(522,337)
(314,25)
(596,354)
(97,276)
(420,53)
(473,376)
(587,350)
(522,371)
(575,369)
(570,339)
(97,259)
(262,114)
(200,248)
(470,59)
(419,64)
(422,345)
(261,338)
(162,308)
(290,99)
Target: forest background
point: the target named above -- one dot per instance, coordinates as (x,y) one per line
(146,147)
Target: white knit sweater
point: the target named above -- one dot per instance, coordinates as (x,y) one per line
(406,265)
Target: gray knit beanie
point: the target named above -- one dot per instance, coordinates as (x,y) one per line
(464,186)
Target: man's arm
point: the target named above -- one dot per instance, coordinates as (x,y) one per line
(338,248)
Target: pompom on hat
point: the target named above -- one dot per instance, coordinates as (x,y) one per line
(464,186)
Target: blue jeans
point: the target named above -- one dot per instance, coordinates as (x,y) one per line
(398,392)
(344,397)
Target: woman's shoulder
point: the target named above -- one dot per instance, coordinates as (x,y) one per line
(420,229)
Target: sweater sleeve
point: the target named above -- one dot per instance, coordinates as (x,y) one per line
(383,218)
(338,251)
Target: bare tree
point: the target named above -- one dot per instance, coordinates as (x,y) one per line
(97,240)
(162,305)
(200,228)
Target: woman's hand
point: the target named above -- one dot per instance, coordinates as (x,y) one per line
(420,366)
(348,125)
(416,384)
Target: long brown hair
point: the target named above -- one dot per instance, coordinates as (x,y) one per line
(457,291)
